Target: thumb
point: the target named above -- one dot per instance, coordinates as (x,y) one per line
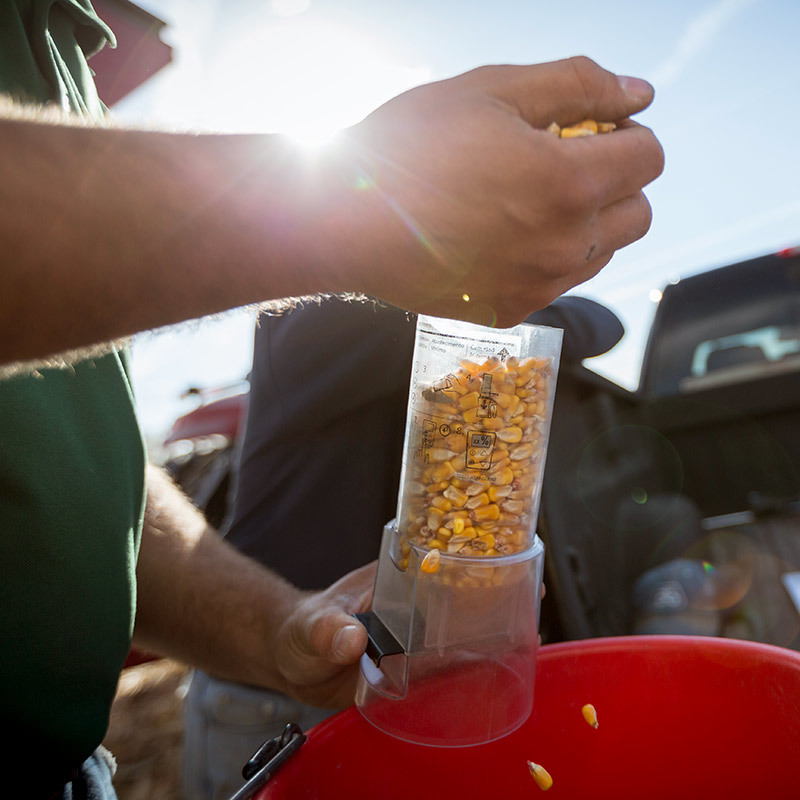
(570,90)
(337,637)
(315,647)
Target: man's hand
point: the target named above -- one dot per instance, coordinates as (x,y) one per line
(468,208)
(318,647)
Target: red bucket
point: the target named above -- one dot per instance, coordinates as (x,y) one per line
(692,717)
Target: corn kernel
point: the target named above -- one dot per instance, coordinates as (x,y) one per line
(431,561)
(455,496)
(505,477)
(485,542)
(498,492)
(441,472)
(458,525)
(477,500)
(590,715)
(522,452)
(440,454)
(491,511)
(468,401)
(511,435)
(540,775)
(441,502)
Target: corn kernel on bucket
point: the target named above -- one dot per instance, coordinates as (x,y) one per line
(478,421)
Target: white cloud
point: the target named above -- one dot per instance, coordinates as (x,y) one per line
(698,35)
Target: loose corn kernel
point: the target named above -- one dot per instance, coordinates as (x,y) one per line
(590,715)
(540,775)
(431,561)
(458,525)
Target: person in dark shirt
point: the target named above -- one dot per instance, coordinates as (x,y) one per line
(316,479)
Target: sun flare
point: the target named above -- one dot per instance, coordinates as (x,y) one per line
(313,78)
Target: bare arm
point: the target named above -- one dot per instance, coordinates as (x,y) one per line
(448,190)
(203,602)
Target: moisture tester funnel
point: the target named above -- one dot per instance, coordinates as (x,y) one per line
(454,622)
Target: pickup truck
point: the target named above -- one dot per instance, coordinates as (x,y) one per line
(674,508)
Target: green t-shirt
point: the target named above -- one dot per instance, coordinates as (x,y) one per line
(71,477)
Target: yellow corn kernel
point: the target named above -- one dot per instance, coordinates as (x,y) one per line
(491,511)
(505,476)
(441,502)
(471,416)
(590,715)
(512,506)
(499,492)
(458,525)
(436,544)
(522,452)
(606,127)
(466,535)
(435,518)
(468,401)
(441,472)
(575,133)
(444,534)
(455,496)
(477,500)
(540,775)
(402,564)
(584,125)
(435,488)
(456,442)
(458,463)
(431,561)
(511,435)
(485,542)
(440,454)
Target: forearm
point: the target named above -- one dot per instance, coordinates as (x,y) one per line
(107,232)
(201,601)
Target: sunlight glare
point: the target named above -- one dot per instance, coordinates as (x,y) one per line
(289,8)
(313,79)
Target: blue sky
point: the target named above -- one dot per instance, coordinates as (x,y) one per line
(727,83)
